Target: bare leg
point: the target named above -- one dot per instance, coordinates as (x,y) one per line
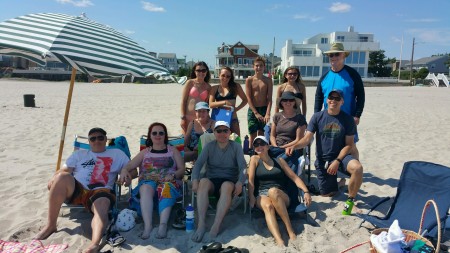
(99,222)
(205,187)
(226,190)
(355,168)
(61,189)
(280,201)
(250,141)
(355,152)
(147,193)
(235,127)
(163,219)
(264,203)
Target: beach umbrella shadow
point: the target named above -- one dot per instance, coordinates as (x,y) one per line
(85,45)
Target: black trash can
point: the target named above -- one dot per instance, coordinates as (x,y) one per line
(28,100)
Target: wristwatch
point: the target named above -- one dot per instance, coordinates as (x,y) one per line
(339,160)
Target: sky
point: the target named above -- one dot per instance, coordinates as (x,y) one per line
(195,28)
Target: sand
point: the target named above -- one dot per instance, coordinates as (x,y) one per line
(399,124)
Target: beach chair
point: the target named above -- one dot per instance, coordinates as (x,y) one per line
(205,139)
(419,182)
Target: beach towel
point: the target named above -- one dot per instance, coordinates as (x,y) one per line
(35,246)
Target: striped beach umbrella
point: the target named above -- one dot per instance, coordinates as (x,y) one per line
(92,48)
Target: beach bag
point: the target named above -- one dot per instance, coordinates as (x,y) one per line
(219,114)
(409,235)
(126,220)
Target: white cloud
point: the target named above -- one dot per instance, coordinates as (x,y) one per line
(432,36)
(396,39)
(80,3)
(152,7)
(169,42)
(422,20)
(340,7)
(129,32)
(275,7)
(308,17)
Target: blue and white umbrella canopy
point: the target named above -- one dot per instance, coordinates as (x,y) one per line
(90,47)
(95,49)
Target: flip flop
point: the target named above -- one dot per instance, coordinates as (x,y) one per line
(214,247)
(115,239)
(232,249)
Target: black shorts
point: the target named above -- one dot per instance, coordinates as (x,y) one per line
(328,183)
(217,183)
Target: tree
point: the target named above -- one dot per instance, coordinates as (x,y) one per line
(422,73)
(379,65)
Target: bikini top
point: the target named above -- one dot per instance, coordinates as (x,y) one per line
(297,95)
(219,97)
(195,94)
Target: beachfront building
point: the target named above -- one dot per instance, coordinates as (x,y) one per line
(169,61)
(434,64)
(310,59)
(239,57)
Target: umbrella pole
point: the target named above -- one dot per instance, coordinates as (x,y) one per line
(66,117)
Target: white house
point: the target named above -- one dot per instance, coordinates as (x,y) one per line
(310,59)
(169,61)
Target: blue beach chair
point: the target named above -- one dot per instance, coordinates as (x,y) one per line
(419,182)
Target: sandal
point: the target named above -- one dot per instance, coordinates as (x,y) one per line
(180,220)
(115,239)
(214,247)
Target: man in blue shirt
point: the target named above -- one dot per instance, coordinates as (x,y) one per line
(335,131)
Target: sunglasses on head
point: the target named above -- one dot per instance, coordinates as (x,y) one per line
(99,138)
(333,55)
(201,70)
(160,133)
(288,100)
(259,144)
(334,98)
(219,131)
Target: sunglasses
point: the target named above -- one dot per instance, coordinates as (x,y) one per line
(334,98)
(288,100)
(259,144)
(201,70)
(292,74)
(160,133)
(99,138)
(226,76)
(333,55)
(219,131)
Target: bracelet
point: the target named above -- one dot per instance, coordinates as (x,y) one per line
(183,117)
(306,192)
(339,160)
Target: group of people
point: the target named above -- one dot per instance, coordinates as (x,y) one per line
(161,167)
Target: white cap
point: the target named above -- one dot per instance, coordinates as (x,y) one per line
(261,138)
(221,123)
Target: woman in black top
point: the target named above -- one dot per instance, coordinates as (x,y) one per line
(223,96)
(267,179)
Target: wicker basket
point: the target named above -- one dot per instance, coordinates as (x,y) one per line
(409,235)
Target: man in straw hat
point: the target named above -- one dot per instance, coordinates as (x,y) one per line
(346,79)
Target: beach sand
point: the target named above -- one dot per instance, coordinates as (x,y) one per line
(399,124)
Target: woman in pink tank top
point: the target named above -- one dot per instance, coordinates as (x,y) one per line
(195,90)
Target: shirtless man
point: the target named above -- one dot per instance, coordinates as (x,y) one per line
(258,89)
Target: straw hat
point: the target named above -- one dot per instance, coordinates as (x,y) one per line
(337,48)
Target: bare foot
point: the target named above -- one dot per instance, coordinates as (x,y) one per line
(45,233)
(93,248)
(213,232)
(198,235)
(280,243)
(146,233)
(162,231)
(292,236)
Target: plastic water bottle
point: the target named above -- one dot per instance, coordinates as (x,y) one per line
(348,206)
(246,145)
(189,218)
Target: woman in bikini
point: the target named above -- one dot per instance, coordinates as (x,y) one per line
(202,124)
(223,96)
(267,187)
(195,90)
(293,83)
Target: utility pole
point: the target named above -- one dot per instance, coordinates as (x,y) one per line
(412,59)
(273,53)
(400,62)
